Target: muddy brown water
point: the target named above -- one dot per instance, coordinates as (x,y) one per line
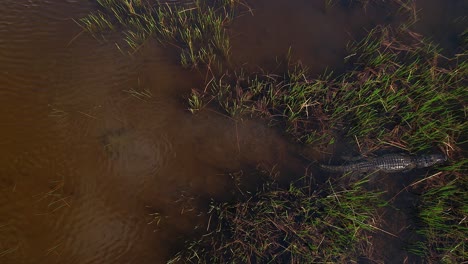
(100,162)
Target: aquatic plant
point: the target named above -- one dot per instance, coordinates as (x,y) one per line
(195,102)
(294,225)
(197,28)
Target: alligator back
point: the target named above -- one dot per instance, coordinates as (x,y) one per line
(386,163)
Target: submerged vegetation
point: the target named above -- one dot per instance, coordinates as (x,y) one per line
(398,92)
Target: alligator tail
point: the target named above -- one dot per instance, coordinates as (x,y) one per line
(332,168)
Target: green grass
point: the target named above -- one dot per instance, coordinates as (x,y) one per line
(195,102)
(395,95)
(404,95)
(200,29)
(295,225)
(398,92)
(284,100)
(197,28)
(442,213)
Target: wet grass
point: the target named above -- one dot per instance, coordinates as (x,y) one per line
(398,92)
(395,95)
(295,225)
(403,95)
(197,28)
(442,212)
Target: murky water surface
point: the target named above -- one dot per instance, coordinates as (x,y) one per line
(100,162)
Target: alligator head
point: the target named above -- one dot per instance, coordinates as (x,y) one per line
(429,160)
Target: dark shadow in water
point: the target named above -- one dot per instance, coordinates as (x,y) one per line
(100,160)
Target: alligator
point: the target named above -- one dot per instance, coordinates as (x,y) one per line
(389,163)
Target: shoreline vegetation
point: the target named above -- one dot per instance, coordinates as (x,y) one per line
(300,224)
(196,28)
(400,93)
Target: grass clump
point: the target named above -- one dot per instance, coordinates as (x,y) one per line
(290,100)
(442,212)
(395,94)
(197,28)
(136,16)
(295,225)
(403,94)
(200,30)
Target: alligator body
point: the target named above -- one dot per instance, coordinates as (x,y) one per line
(389,163)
